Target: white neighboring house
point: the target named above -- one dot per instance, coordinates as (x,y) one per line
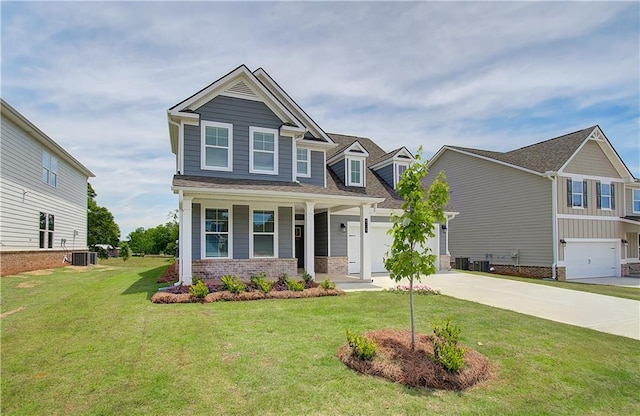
(43,198)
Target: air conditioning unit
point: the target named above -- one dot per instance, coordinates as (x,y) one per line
(93,257)
(80,258)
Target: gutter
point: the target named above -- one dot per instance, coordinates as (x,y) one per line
(552,176)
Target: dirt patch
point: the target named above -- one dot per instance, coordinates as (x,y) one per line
(20,309)
(396,362)
(43,272)
(29,284)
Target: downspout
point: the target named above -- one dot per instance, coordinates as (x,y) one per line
(554,219)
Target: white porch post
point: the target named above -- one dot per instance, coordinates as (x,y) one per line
(309,243)
(185,241)
(365,241)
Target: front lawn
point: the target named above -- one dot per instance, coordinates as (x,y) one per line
(78,342)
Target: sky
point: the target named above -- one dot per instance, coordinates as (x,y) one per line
(98,77)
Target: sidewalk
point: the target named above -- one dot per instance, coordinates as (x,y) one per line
(599,312)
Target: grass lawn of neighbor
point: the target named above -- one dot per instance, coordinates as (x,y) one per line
(87,341)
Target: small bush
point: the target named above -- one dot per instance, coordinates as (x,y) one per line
(199,290)
(293,285)
(261,283)
(327,284)
(362,347)
(233,284)
(445,346)
(417,289)
(306,277)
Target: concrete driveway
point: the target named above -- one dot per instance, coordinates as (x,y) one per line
(602,313)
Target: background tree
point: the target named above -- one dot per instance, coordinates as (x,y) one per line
(156,240)
(101,227)
(125,252)
(409,257)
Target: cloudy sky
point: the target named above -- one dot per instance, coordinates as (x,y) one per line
(98,77)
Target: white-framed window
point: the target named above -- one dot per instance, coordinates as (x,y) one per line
(399,170)
(49,169)
(577,194)
(605,195)
(217,146)
(636,201)
(354,171)
(263,150)
(263,233)
(217,233)
(47,227)
(303,163)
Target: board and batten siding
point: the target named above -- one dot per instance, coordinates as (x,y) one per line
(592,206)
(321,234)
(317,170)
(242,114)
(588,229)
(197,225)
(24,195)
(501,209)
(591,160)
(285,232)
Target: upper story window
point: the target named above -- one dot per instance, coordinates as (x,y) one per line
(577,193)
(47,227)
(216,233)
(399,170)
(355,172)
(303,159)
(264,233)
(636,201)
(263,155)
(605,195)
(217,146)
(49,169)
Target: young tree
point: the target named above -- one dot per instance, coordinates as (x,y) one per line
(125,252)
(408,256)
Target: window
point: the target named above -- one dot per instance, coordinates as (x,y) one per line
(576,193)
(49,169)
(355,174)
(217,146)
(605,195)
(264,233)
(263,157)
(216,232)
(400,168)
(47,226)
(302,160)
(636,201)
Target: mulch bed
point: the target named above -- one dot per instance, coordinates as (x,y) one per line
(396,362)
(166,297)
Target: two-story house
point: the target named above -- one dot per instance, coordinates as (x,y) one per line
(263,188)
(43,198)
(566,208)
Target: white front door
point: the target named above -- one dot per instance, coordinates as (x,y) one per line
(591,259)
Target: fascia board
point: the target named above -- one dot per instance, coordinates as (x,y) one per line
(309,144)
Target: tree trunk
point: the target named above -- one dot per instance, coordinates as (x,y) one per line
(413,328)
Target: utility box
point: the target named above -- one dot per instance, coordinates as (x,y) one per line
(481,266)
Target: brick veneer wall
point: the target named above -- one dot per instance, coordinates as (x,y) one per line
(214,269)
(24,261)
(445,262)
(332,265)
(538,272)
(630,268)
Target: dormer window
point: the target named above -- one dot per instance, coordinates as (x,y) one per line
(399,170)
(355,175)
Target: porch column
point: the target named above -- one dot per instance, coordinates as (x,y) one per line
(365,241)
(309,241)
(185,241)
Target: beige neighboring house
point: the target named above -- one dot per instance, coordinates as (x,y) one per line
(566,208)
(43,198)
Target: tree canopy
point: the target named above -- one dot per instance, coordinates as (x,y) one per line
(101,227)
(156,240)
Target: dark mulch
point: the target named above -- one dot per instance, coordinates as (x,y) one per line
(396,362)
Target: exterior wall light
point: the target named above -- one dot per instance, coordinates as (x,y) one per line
(625,242)
(343,227)
(563,242)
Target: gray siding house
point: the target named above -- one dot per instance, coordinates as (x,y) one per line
(43,198)
(561,208)
(262,188)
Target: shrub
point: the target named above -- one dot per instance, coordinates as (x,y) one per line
(417,289)
(233,284)
(327,284)
(199,290)
(362,347)
(293,285)
(445,346)
(306,277)
(261,283)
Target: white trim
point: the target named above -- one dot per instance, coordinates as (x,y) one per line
(587,217)
(181,147)
(264,207)
(349,151)
(633,199)
(581,177)
(395,158)
(232,94)
(315,145)
(396,172)
(298,174)
(347,171)
(325,168)
(253,130)
(203,146)
(203,219)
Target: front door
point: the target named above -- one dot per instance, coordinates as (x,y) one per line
(300,245)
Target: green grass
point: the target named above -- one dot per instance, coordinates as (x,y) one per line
(91,343)
(609,290)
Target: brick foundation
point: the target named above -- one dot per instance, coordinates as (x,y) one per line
(445,262)
(25,261)
(332,265)
(537,272)
(214,269)
(630,268)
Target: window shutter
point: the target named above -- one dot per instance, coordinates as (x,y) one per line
(584,193)
(598,195)
(569,193)
(613,197)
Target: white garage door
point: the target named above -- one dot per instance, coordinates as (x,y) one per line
(380,244)
(591,259)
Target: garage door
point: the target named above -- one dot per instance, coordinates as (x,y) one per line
(380,244)
(591,259)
